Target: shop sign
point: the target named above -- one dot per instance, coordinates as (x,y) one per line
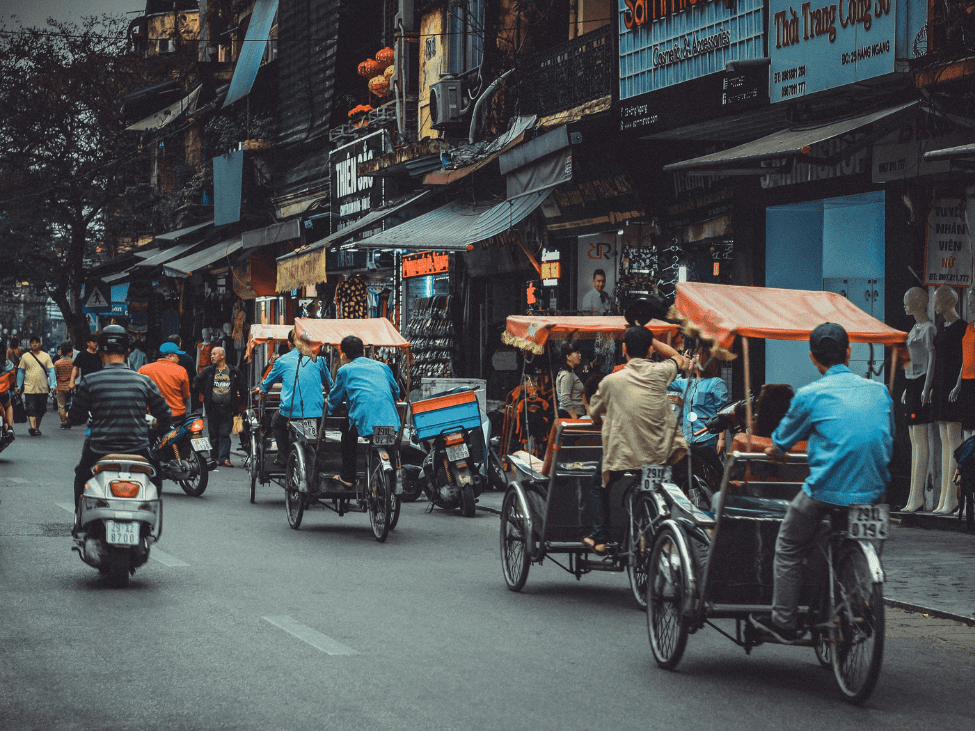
(900,154)
(667,42)
(948,259)
(814,47)
(591,206)
(425,263)
(353,196)
(551,267)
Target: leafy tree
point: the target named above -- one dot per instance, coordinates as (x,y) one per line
(65,160)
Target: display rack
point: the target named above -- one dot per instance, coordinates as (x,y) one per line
(431,335)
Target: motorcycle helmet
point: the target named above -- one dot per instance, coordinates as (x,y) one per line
(114,339)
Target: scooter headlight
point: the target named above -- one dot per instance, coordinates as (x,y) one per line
(124,488)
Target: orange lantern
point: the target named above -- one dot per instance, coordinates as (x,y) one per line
(379,85)
(386,57)
(369,68)
(388,73)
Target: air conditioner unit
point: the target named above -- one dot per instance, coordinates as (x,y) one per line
(445,100)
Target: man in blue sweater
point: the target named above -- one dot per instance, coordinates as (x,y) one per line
(849,422)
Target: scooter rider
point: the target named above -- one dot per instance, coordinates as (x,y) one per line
(116,398)
(369,390)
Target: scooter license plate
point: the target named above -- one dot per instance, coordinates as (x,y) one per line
(869,522)
(122,533)
(383,436)
(201,444)
(458,452)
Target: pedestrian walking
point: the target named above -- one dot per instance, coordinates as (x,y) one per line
(35,379)
(87,361)
(63,369)
(137,356)
(15,352)
(223,390)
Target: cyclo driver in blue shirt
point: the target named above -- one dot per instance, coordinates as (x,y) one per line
(369,389)
(302,379)
(849,422)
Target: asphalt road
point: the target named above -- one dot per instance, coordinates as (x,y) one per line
(240,622)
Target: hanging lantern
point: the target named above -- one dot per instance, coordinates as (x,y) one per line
(379,85)
(369,68)
(386,57)
(388,73)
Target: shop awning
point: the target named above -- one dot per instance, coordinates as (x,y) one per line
(447,228)
(532,332)
(194,262)
(377,331)
(505,215)
(962,156)
(720,312)
(167,255)
(301,268)
(252,51)
(163,117)
(180,233)
(260,334)
(780,150)
(272,234)
(509,139)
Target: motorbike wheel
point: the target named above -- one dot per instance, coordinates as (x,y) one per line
(412,488)
(379,503)
(515,542)
(396,505)
(195,486)
(666,625)
(639,541)
(294,500)
(252,465)
(467,501)
(118,567)
(859,635)
(497,477)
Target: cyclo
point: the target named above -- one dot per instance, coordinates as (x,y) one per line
(260,444)
(316,453)
(546,509)
(717,564)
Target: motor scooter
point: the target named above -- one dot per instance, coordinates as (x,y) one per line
(451,478)
(183,453)
(118,517)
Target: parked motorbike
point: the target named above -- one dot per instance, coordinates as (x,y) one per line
(6,439)
(183,454)
(119,517)
(451,478)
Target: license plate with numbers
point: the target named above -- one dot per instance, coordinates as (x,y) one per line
(654,474)
(458,452)
(869,522)
(309,428)
(201,444)
(383,436)
(122,533)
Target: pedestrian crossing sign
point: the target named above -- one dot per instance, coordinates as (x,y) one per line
(97,300)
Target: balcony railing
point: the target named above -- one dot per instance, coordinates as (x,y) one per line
(568,75)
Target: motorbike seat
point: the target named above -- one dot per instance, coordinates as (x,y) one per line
(126,457)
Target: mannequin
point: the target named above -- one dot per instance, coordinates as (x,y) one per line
(947,367)
(917,395)
(203,349)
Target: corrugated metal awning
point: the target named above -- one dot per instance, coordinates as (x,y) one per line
(194,262)
(505,215)
(447,228)
(755,157)
(163,117)
(180,233)
(168,255)
(951,153)
(272,234)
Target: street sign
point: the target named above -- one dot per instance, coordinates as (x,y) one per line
(98,300)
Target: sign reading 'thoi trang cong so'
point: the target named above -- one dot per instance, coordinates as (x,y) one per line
(815,46)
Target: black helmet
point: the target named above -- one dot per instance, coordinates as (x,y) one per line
(114,339)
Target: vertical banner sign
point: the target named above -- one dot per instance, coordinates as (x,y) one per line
(352,197)
(949,244)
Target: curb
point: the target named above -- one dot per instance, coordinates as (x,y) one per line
(939,613)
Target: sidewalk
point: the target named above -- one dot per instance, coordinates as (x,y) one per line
(928,570)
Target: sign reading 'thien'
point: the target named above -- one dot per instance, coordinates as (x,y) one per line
(352,195)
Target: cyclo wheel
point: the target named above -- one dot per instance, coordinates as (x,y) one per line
(858,646)
(515,542)
(639,541)
(378,500)
(294,499)
(396,504)
(666,626)
(253,466)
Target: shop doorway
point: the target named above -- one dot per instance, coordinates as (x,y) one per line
(837,245)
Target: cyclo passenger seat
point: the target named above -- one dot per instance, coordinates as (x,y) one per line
(538,470)
(764,486)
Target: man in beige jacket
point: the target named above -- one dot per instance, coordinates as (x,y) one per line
(640,427)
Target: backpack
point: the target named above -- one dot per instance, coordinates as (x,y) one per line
(965,456)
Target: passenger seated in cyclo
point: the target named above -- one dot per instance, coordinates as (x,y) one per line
(368,389)
(302,378)
(639,426)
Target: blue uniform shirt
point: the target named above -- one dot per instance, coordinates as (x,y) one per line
(368,387)
(849,422)
(706,397)
(302,399)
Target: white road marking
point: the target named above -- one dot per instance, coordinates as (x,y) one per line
(306,634)
(161,556)
(16,480)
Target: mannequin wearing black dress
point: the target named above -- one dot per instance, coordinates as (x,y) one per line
(947,366)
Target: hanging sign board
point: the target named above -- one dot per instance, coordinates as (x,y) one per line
(353,196)
(425,263)
(948,259)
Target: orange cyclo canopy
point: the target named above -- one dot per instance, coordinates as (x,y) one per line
(377,331)
(260,334)
(720,312)
(531,332)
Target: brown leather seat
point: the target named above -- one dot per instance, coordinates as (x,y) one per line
(125,457)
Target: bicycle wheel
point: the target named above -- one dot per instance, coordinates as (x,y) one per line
(859,635)
(823,645)
(252,466)
(666,626)
(379,500)
(397,503)
(639,541)
(515,542)
(294,499)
